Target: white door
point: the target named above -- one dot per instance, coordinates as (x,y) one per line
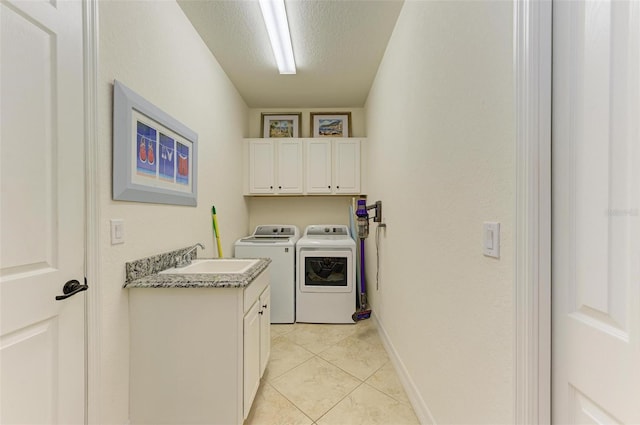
(289,166)
(596,212)
(265,329)
(318,166)
(42,346)
(261,166)
(251,356)
(346,170)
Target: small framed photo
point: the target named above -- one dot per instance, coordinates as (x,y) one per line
(281,124)
(330,124)
(154,155)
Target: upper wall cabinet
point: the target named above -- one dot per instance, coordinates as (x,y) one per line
(332,166)
(274,166)
(302,166)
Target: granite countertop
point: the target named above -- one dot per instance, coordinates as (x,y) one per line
(199,280)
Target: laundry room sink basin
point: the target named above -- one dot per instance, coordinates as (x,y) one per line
(214,266)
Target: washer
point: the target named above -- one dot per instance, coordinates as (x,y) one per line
(326,284)
(275,241)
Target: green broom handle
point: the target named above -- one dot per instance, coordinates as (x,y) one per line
(215,230)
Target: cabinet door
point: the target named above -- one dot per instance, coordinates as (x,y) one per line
(318,166)
(265,329)
(251,356)
(261,166)
(346,169)
(289,166)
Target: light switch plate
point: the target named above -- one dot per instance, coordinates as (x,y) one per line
(491,239)
(117,231)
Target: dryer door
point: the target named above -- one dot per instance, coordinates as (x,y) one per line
(326,271)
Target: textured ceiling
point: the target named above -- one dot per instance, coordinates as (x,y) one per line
(338,45)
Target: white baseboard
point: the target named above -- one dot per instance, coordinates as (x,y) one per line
(417,402)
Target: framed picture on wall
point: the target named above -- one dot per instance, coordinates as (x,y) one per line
(154,155)
(330,124)
(280,124)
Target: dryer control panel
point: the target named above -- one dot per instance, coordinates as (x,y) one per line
(327,230)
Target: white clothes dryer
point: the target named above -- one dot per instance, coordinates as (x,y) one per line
(275,241)
(326,286)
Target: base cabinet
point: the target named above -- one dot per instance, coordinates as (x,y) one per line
(197,354)
(257,346)
(251,356)
(265,329)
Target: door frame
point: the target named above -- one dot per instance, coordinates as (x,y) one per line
(532,283)
(92,213)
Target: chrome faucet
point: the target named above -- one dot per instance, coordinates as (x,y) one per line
(185,259)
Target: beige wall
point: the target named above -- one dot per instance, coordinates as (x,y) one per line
(302,211)
(439,122)
(441,141)
(357,119)
(152,48)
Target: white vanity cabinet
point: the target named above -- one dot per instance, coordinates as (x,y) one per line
(274,166)
(265,329)
(332,166)
(257,346)
(197,354)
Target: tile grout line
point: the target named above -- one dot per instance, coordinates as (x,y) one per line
(292,403)
(340,401)
(318,356)
(331,363)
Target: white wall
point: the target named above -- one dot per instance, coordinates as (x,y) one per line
(299,211)
(441,132)
(302,211)
(152,48)
(357,119)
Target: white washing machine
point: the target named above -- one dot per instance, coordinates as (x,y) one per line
(326,287)
(275,241)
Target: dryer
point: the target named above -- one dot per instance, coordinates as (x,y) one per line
(275,241)
(326,283)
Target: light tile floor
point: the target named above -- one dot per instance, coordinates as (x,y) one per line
(329,375)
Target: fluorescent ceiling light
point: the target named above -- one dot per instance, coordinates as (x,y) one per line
(275,17)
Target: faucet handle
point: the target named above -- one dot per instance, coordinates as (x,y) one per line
(179,261)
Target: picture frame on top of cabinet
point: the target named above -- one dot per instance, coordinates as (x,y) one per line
(155,157)
(330,124)
(278,125)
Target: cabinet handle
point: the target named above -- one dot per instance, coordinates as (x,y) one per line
(329,187)
(264,306)
(260,312)
(337,187)
(279,187)
(270,187)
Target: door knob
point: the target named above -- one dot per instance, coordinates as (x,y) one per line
(71,288)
